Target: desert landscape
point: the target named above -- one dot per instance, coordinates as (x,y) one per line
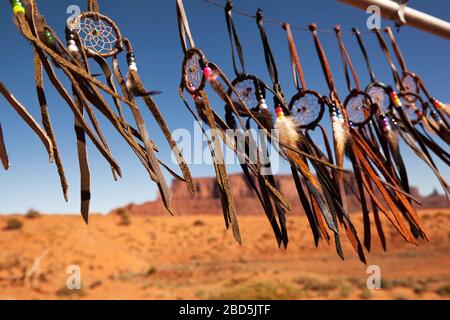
(195,258)
(150,255)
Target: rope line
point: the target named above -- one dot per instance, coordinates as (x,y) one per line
(278,23)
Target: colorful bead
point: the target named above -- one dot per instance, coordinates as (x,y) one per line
(72,47)
(207,71)
(395,99)
(131,60)
(192,89)
(384,123)
(438,105)
(263,105)
(336,115)
(49,40)
(18,9)
(280,113)
(17,6)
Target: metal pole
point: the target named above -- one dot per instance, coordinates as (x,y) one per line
(414,18)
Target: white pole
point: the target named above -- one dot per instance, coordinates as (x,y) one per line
(414,18)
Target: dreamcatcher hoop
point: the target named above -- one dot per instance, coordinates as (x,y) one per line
(193,77)
(360,108)
(99,35)
(413,105)
(245,88)
(307,116)
(379,93)
(411,82)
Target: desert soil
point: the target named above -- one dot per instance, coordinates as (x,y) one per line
(195,258)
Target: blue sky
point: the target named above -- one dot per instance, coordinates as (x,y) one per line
(151,26)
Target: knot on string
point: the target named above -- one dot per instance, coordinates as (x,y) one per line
(259,15)
(229,6)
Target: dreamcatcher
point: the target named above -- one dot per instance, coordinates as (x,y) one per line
(384,125)
(196,73)
(325,202)
(252,91)
(94,36)
(413,86)
(308,107)
(377,133)
(367,163)
(420,143)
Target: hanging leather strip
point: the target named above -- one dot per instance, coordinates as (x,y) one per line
(165,129)
(270,62)
(347,63)
(222,170)
(357,33)
(236,47)
(185,32)
(63,92)
(3,153)
(26,116)
(297,70)
(85,175)
(93,6)
(46,121)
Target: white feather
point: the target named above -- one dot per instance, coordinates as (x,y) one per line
(340,136)
(288,131)
(129,82)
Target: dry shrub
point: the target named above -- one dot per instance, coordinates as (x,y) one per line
(13,224)
(32,214)
(125,218)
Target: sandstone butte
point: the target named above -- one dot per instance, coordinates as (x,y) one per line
(207,200)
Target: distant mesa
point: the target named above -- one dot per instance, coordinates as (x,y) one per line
(207,202)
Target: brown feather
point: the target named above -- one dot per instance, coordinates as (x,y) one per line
(136,87)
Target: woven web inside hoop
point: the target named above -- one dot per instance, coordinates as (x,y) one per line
(306,109)
(193,71)
(410,85)
(97,35)
(245,90)
(411,105)
(380,97)
(358,109)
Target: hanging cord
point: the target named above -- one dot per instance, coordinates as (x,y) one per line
(184,29)
(297,70)
(323,60)
(93,6)
(384,47)
(268,54)
(358,36)
(274,22)
(279,99)
(397,51)
(234,40)
(347,62)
